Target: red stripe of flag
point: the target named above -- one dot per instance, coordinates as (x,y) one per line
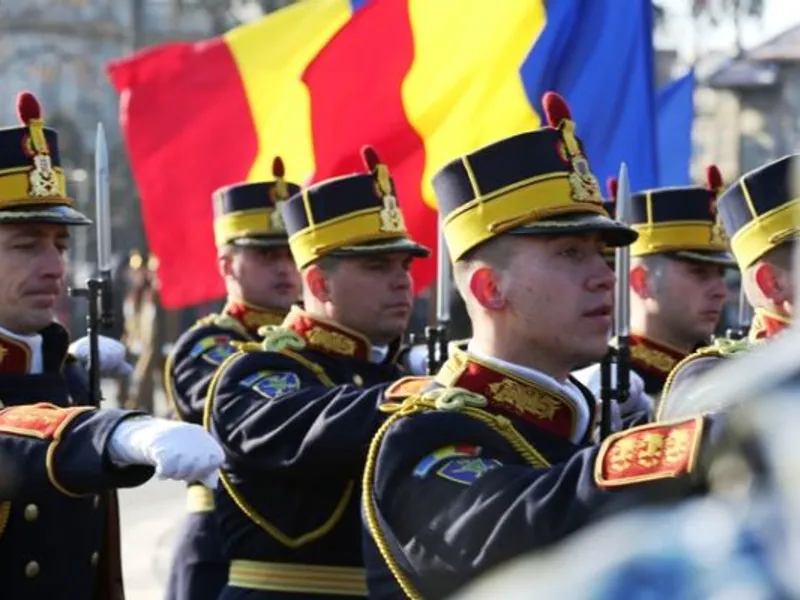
(372,54)
(201,138)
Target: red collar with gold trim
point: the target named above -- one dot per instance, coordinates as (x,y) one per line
(328,337)
(510,394)
(251,316)
(652,356)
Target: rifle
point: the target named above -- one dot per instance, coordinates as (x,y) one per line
(98,290)
(619,352)
(436,338)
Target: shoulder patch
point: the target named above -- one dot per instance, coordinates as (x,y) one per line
(270,384)
(442,454)
(42,420)
(648,452)
(213,349)
(407,386)
(467,471)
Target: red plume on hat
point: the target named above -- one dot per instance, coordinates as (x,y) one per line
(279,189)
(370,158)
(28,108)
(612,186)
(555,109)
(714,179)
(379,170)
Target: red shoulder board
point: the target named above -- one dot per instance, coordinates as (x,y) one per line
(654,451)
(42,420)
(407,386)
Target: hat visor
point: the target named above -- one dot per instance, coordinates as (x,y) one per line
(724,259)
(404,245)
(261,241)
(57,214)
(614,233)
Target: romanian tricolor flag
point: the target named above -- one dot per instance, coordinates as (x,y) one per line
(423,81)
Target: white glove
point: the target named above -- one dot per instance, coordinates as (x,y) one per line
(416,360)
(112,355)
(637,400)
(177,450)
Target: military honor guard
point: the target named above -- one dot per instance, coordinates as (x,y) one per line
(62,458)
(677,280)
(760,217)
(295,413)
(493,456)
(262,283)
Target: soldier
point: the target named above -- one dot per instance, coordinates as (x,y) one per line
(677,280)
(261,283)
(758,215)
(59,536)
(295,414)
(494,457)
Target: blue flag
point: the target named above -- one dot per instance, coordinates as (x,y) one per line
(675,116)
(599,55)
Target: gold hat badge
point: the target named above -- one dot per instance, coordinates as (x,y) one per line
(714,184)
(279,192)
(391,216)
(583,183)
(42,177)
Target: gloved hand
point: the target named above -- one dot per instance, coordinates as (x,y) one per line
(112,355)
(638,401)
(177,450)
(415,360)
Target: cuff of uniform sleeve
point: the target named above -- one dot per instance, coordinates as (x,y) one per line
(77,463)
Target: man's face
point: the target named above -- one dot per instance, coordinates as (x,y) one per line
(688,296)
(32,270)
(372,295)
(267,276)
(558,292)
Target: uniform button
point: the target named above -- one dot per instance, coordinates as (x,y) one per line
(31,512)
(95,558)
(32,569)
(358,379)
(96,501)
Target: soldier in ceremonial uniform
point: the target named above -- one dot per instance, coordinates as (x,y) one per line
(677,285)
(493,456)
(295,413)
(759,216)
(62,458)
(262,283)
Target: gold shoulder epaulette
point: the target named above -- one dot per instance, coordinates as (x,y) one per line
(277,338)
(228,322)
(727,347)
(206,320)
(407,386)
(649,452)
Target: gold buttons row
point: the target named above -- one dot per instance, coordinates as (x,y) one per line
(32,569)
(31,511)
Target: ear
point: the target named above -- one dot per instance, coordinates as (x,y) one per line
(768,281)
(638,281)
(225,264)
(483,284)
(316,283)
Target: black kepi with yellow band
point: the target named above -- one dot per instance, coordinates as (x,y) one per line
(32,181)
(681,221)
(534,183)
(353,215)
(762,210)
(248,214)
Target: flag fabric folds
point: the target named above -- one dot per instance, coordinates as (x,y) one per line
(421,81)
